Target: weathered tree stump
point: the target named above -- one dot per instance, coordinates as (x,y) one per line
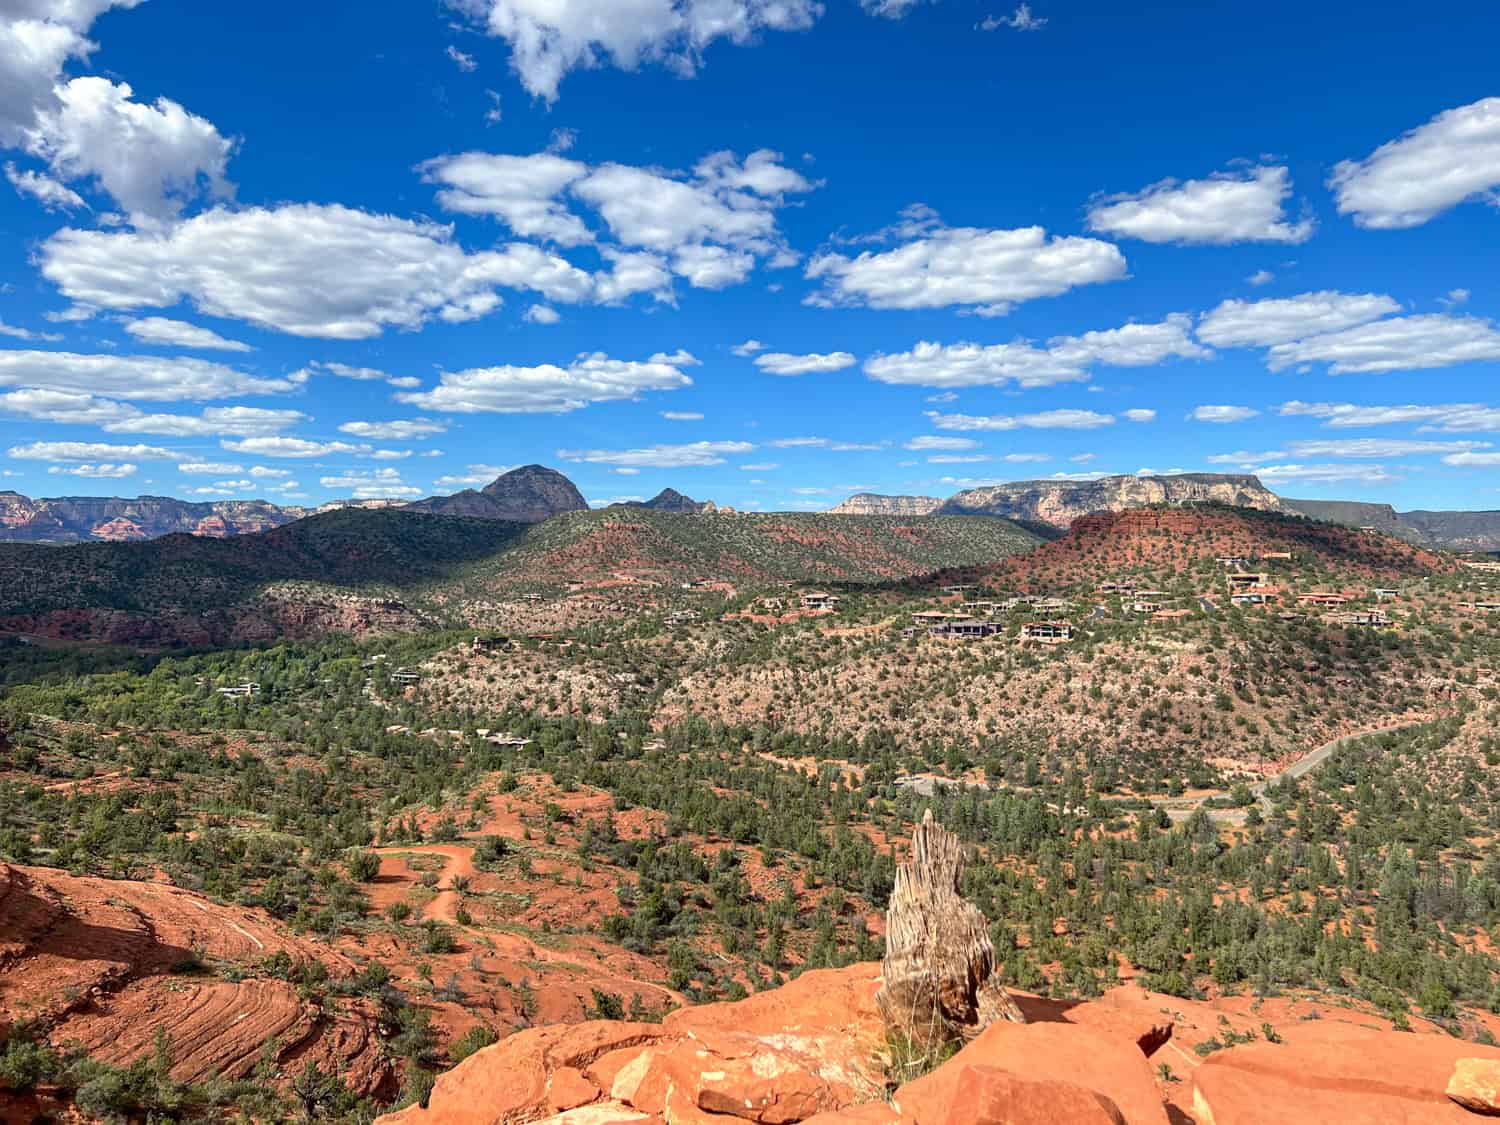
(940,984)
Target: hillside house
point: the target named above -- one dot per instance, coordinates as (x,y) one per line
(1384,594)
(241,690)
(1114,588)
(1232,562)
(966,628)
(507,740)
(1483,567)
(1247,580)
(1275,556)
(1250,597)
(937,616)
(817,600)
(1480,607)
(490,644)
(1374,619)
(984,609)
(406,677)
(1047,632)
(1291,616)
(1142,607)
(960,588)
(682,617)
(1053,605)
(1170,615)
(1322,599)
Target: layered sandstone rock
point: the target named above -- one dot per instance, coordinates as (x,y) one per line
(1061,502)
(869,504)
(1475,1085)
(1336,1072)
(812,1051)
(107,963)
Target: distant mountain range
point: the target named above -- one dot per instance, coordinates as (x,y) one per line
(71,519)
(534,493)
(1457,531)
(526,495)
(1057,503)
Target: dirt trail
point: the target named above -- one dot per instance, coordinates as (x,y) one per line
(444,906)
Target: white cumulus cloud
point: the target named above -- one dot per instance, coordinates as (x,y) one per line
(1262,324)
(691,455)
(549,38)
(1226,208)
(986,271)
(304,269)
(180,334)
(780,363)
(550,389)
(1418,176)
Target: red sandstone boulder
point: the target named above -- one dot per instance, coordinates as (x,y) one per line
(1337,1072)
(987,1095)
(533,1074)
(1061,1057)
(1475,1085)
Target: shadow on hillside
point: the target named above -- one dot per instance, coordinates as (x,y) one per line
(32,925)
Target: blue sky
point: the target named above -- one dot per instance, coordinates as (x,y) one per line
(764,251)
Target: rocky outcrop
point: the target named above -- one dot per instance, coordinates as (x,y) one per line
(810,1047)
(76,519)
(1336,1072)
(869,504)
(940,980)
(670,500)
(530,494)
(1059,503)
(108,963)
(814,1051)
(1475,1085)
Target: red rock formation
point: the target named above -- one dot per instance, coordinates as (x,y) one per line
(813,1052)
(100,961)
(1335,1072)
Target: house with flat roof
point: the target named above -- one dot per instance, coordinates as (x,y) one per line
(1374,619)
(1047,632)
(966,628)
(1171,614)
(1322,598)
(818,600)
(1247,580)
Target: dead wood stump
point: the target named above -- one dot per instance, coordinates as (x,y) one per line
(940,983)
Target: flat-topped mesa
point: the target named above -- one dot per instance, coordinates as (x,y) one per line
(940,982)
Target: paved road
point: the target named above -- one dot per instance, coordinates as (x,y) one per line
(1300,768)
(1180,808)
